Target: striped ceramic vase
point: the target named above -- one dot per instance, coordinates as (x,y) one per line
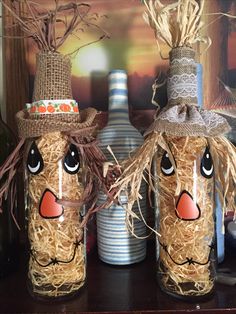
(115,244)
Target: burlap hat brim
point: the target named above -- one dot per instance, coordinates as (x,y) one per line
(29,127)
(189,120)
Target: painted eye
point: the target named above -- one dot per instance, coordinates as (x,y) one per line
(207,168)
(166,165)
(71,161)
(34,160)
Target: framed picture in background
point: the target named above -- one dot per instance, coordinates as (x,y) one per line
(132,47)
(219,63)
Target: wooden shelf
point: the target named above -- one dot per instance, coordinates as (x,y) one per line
(112,289)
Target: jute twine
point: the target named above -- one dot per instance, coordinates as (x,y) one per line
(180,53)
(181,116)
(53,77)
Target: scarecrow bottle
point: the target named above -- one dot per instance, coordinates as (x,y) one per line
(9,237)
(186,195)
(60,157)
(191,154)
(54,183)
(116,245)
(59,151)
(62,162)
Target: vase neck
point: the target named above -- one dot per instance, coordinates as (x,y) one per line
(182,77)
(118,98)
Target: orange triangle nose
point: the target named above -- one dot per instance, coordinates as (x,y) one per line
(49,208)
(186,208)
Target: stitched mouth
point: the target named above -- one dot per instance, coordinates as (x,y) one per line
(55,261)
(188,260)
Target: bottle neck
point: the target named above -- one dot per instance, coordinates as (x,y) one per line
(182,77)
(118,98)
(56,68)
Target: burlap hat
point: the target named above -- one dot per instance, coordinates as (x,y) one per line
(53,108)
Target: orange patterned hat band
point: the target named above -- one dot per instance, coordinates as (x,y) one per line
(52,106)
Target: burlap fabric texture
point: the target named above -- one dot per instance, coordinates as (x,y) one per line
(181,116)
(53,76)
(30,127)
(53,82)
